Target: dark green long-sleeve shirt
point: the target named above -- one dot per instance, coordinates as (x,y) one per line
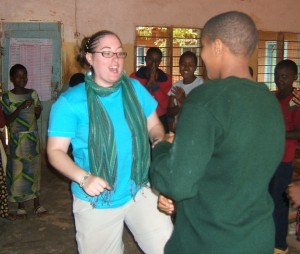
(229,140)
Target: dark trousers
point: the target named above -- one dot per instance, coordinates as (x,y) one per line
(278,187)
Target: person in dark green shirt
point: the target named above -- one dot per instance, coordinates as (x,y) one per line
(229,140)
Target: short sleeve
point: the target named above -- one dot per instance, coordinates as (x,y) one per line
(62,120)
(146,100)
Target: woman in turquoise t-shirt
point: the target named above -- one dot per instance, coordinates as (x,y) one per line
(109,120)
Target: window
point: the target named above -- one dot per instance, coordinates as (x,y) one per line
(272,48)
(172,42)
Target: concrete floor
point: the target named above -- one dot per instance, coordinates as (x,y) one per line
(54,232)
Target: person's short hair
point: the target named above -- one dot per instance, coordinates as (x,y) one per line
(287,63)
(235,29)
(13,70)
(154,50)
(189,54)
(76,79)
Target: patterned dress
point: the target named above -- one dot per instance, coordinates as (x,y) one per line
(24,158)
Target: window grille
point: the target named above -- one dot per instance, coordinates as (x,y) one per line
(172,42)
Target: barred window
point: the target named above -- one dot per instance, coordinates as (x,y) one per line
(272,48)
(172,42)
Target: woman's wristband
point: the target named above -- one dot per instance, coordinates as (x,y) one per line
(84,178)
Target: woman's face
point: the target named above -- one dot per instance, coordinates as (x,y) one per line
(107,71)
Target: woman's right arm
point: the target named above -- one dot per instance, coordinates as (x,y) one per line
(57,148)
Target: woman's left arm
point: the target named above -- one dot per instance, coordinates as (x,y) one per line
(155,129)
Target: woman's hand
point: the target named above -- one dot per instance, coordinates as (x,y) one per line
(94,185)
(165,205)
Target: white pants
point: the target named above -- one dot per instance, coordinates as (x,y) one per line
(100,231)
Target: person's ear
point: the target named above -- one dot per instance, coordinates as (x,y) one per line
(218,47)
(89,59)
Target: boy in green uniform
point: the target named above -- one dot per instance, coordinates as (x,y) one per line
(229,141)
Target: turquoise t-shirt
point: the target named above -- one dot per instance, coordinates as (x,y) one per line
(69,118)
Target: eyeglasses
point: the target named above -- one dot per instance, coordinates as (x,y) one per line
(110,54)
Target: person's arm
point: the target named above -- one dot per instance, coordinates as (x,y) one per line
(57,148)
(176,101)
(173,107)
(37,111)
(176,168)
(155,129)
(37,104)
(11,117)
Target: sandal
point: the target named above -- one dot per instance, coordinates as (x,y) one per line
(21,213)
(40,210)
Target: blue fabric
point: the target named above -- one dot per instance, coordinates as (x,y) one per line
(69,118)
(278,186)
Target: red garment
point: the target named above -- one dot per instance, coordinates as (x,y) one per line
(292,119)
(161,95)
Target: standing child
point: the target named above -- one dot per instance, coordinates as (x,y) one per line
(157,82)
(187,67)
(225,150)
(286,72)
(22,108)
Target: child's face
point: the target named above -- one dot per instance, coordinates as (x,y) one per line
(20,78)
(153,61)
(284,78)
(187,67)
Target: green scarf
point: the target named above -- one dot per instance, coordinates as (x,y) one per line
(101,140)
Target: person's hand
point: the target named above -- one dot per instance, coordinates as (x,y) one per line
(94,185)
(179,94)
(152,75)
(26,104)
(294,194)
(165,204)
(169,137)
(296,98)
